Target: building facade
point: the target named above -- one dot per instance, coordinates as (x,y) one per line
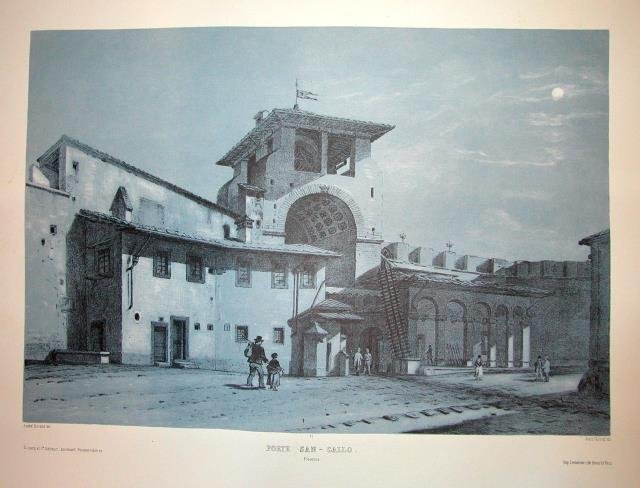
(292,250)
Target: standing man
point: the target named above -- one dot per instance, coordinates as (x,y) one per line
(368,359)
(357,361)
(430,355)
(478,366)
(546,368)
(538,368)
(256,359)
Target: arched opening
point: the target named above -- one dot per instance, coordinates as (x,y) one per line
(501,337)
(372,339)
(480,335)
(455,332)
(425,313)
(517,331)
(325,221)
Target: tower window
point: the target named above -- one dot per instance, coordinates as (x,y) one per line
(226,230)
(53,230)
(371,192)
(103,261)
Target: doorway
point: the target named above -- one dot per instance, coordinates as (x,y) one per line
(372,340)
(159,343)
(97,337)
(179,344)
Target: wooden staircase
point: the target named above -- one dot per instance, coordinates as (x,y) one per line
(397,325)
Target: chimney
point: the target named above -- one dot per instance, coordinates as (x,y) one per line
(259,117)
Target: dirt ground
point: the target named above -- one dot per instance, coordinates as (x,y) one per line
(446,402)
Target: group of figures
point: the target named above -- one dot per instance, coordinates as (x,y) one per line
(256,357)
(362,363)
(542,368)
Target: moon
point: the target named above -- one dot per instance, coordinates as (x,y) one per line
(557,93)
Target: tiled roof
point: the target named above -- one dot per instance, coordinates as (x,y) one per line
(219,243)
(330,309)
(340,316)
(402,273)
(299,118)
(594,237)
(107,158)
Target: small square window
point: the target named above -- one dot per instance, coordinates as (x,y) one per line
(308,277)
(53,230)
(162,265)
(242,333)
(196,326)
(209,326)
(195,269)
(279,275)
(243,273)
(278,335)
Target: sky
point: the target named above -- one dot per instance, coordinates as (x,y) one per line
(500,143)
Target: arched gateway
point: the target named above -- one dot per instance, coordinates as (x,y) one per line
(325,221)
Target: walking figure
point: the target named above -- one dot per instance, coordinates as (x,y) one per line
(274,370)
(546,368)
(429,356)
(538,368)
(368,359)
(357,361)
(478,368)
(256,358)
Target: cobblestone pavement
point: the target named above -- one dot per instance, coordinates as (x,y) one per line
(449,402)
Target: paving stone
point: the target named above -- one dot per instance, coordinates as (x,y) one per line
(349,424)
(443,410)
(428,413)
(456,409)
(412,415)
(393,418)
(369,421)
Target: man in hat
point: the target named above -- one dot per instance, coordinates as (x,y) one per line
(256,359)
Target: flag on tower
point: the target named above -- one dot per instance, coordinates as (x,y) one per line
(306,95)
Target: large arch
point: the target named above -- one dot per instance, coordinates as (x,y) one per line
(500,338)
(316,188)
(517,330)
(424,311)
(455,334)
(479,336)
(325,221)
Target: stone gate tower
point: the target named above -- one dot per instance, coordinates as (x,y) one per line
(300,177)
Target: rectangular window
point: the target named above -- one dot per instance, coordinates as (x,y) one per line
(227,327)
(195,269)
(103,261)
(196,326)
(308,277)
(242,333)
(279,275)
(209,326)
(162,265)
(243,273)
(278,335)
